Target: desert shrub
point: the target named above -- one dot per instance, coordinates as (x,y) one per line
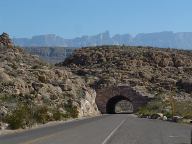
(152,107)
(74,112)
(42,78)
(26,115)
(14,65)
(184,109)
(35,67)
(71,110)
(181,108)
(168,114)
(20,117)
(4,97)
(41,114)
(57,115)
(81,93)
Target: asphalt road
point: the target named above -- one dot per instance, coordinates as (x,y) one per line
(108,129)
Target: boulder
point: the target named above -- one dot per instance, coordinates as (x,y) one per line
(185,84)
(88,106)
(164,118)
(4,77)
(37,86)
(177,118)
(157,116)
(3,126)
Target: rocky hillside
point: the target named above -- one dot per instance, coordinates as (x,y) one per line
(34,92)
(153,71)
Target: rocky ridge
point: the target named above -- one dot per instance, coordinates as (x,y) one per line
(152,71)
(50,93)
(137,66)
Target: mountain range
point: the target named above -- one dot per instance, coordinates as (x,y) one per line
(165,39)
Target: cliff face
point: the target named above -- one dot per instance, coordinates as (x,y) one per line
(150,70)
(28,83)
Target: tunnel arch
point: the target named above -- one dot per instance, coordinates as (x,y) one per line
(112,102)
(106,98)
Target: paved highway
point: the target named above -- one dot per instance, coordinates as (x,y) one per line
(108,129)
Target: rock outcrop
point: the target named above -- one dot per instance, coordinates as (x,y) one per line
(5,41)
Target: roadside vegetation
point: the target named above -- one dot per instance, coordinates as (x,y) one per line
(25,114)
(167,106)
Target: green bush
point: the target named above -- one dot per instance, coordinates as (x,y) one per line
(74,112)
(41,114)
(57,115)
(184,109)
(26,115)
(181,108)
(71,110)
(152,108)
(168,114)
(36,67)
(20,118)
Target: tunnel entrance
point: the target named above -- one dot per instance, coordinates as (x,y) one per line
(119,104)
(109,98)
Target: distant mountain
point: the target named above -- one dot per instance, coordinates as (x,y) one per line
(41,40)
(160,39)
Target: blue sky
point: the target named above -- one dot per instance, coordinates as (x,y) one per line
(71,18)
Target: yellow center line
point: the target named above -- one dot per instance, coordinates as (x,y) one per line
(41,138)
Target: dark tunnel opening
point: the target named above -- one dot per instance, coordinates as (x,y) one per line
(123,103)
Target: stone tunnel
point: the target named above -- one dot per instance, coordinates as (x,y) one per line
(107,98)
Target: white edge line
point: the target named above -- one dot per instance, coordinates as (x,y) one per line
(178,137)
(113,131)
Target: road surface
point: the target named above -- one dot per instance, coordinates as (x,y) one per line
(108,129)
